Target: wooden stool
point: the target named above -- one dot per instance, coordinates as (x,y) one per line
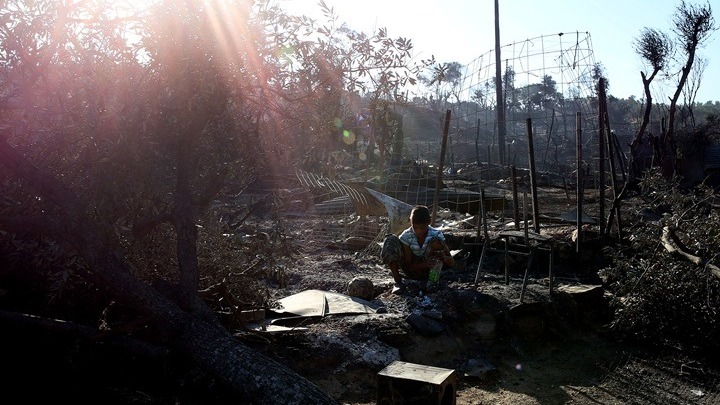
(407,383)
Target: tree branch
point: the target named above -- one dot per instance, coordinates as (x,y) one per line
(40,181)
(674,245)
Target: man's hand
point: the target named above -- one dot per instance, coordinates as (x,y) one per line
(434,261)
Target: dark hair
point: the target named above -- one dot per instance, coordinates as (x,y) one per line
(420,214)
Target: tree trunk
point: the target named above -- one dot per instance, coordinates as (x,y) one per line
(197,335)
(637,141)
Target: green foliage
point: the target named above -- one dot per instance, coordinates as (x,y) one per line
(144,114)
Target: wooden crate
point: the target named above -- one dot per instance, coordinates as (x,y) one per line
(408,383)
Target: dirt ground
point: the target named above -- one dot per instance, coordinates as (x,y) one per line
(543,351)
(547,349)
(534,358)
(506,344)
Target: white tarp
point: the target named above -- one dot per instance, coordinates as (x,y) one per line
(318,303)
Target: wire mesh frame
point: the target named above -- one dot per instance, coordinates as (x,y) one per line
(565,58)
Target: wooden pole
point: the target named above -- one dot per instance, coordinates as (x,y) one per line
(579,188)
(486,242)
(482,215)
(611,158)
(506,256)
(615,209)
(621,156)
(438,180)
(483,211)
(516,204)
(533,185)
(525,226)
(601,154)
(551,275)
(531,260)
(499,90)
(485,247)
(477,142)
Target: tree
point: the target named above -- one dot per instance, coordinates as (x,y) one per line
(655,48)
(693,86)
(692,25)
(134,150)
(375,66)
(510,92)
(442,75)
(543,95)
(483,95)
(119,127)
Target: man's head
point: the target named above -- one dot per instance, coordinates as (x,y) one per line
(420,215)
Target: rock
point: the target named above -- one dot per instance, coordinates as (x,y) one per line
(425,326)
(361,287)
(433,314)
(471,303)
(481,369)
(357,243)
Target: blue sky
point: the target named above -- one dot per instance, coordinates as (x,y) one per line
(435,27)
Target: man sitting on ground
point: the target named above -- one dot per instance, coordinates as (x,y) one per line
(417,250)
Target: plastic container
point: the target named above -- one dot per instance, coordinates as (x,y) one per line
(434,275)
